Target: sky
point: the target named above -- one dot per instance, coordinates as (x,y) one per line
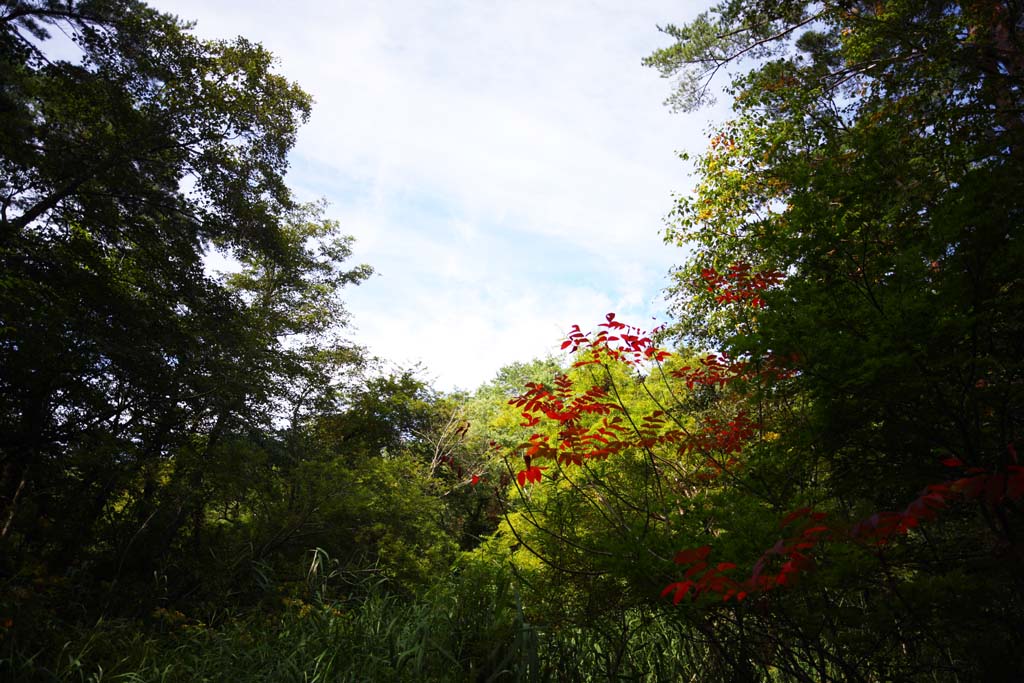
(505,167)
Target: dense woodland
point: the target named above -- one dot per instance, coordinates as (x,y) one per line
(811,473)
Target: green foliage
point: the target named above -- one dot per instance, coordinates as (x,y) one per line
(874,161)
(201,480)
(171,437)
(128,371)
(471,627)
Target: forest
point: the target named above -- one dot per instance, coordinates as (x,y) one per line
(809,473)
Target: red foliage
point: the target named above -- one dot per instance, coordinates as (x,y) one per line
(719,370)
(564,405)
(530,474)
(721,441)
(782,564)
(628,344)
(740,284)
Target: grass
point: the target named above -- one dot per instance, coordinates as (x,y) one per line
(477,634)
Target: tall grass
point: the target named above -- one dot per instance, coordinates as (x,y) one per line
(472,627)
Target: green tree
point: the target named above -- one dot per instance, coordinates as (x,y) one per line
(129,375)
(874,161)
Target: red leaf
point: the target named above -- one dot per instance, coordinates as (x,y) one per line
(792,516)
(695,569)
(692,555)
(681,588)
(531,474)
(970,487)
(530,420)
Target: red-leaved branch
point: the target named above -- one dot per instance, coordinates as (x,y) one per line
(593,424)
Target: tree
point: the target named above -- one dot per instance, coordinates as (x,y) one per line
(127,371)
(874,163)
(838,465)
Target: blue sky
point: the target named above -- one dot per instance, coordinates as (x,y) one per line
(503,166)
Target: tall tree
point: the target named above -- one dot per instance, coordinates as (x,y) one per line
(124,364)
(875,161)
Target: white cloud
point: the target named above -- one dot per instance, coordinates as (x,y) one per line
(504,166)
